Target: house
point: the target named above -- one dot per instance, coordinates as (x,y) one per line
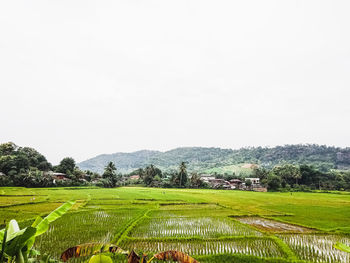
(206,178)
(59,176)
(56,177)
(255,181)
(236,184)
(256,186)
(219,183)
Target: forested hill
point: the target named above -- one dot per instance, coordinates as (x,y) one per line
(201,159)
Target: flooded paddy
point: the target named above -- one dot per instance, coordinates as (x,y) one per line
(201,226)
(273,226)
(317,248)
(257,247)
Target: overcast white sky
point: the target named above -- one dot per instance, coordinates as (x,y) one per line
(81,78)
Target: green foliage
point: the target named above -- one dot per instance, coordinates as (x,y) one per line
(180,179)
(273,182)
(342,247)
(196,181)
(322,157)
(151,175)
(17,244)
(100,259)
(66,166)
(14,159)
(248,183)
(288,173)
(110,175)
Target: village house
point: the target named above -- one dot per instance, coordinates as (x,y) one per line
(255,181)
(206,178)
(236,184)
(256,186)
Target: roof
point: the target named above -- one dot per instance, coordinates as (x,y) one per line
(235,181)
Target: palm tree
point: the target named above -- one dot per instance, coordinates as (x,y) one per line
(182,174)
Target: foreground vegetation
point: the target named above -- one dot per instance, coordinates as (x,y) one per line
(203,223)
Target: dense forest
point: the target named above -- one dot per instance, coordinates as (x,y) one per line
(201,159)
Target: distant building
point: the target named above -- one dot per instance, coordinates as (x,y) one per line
(207,178)
(219,183)
(253,180)
(236,184)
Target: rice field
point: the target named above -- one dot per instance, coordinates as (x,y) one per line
(83,227)
(205,227)
(256,247)
(211,225)
(317,248)
(272,225)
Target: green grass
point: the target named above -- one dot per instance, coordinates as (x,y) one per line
(199,222)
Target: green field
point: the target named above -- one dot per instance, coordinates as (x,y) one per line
(206,224)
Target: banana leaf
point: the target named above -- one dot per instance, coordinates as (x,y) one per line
(342,247)
(16,244)
(100,259)
(43,225)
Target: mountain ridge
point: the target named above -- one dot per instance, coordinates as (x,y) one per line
(204,158)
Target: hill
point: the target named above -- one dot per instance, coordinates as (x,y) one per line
(203,159)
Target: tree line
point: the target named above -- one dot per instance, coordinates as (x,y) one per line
(24,166)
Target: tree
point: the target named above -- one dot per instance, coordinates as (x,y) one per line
(35,158)
(248,183)
(288,172)
(311,176)
(8,148)
(182,174)
(273,182)
(196,181)
(66,166)
(149,174)
(110,174)
(260,173)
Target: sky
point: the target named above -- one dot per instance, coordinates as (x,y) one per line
(80,78)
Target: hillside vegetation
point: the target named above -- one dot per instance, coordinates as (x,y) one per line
(204,159)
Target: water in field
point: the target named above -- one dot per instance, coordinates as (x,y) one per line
(197,226)
(272,225)
(257,247)
(199,235)
(317,248)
